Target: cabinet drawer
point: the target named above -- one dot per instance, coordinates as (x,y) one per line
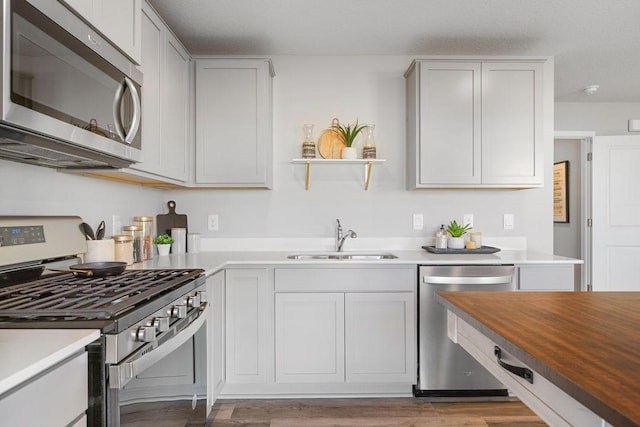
(345,279)
(552,404)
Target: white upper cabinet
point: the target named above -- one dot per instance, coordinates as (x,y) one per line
(165,100)
(234,122)
(474,124)
(117,20)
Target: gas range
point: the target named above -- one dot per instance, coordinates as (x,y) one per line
(111,304)
(143,315)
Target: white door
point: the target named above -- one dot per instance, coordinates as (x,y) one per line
(616,213)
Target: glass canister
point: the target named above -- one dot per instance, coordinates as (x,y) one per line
(309,144)
(123,248)
(369,145)
(146,222)
(135,231)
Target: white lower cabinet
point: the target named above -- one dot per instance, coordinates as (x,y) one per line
(249,327)
(310,337)
(215,337)
(379,337)
(60,396)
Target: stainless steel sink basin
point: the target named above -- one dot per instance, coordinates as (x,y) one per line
(342,256)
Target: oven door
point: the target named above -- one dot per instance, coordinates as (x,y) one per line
(170,371)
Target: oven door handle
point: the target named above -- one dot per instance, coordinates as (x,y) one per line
(121,374)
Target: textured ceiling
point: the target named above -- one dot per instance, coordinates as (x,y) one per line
(593,41)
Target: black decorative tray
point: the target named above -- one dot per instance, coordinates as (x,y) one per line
(480,250)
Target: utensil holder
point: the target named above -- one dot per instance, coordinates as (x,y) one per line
(100,251)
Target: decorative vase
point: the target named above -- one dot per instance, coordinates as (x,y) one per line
(163,249)
(349,153)
(455,242)
(369,146)
(309,145)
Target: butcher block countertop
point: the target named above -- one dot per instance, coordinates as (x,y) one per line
(586,343)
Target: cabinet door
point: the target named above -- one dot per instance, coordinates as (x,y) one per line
(119,21)
(215,339)
(175,110)
(249,320)
(165,97)
(380,339)
(512,142)
(449,128)
(310,338)
(233,122)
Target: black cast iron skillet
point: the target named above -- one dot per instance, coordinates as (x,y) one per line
(94,269)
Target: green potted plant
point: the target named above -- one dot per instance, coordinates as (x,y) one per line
(163,242)
(349,133)
(456,233)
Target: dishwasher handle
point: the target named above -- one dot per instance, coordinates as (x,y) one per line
(468,280)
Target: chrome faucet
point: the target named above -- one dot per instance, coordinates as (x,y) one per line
(341,238)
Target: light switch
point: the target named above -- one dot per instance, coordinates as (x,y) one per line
(508,222)
(213,223)
(418,222)
(467,219)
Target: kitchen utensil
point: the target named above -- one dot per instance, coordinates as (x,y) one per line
(100,230)
(93,269)
(165,222)
(87,231)
(331,142)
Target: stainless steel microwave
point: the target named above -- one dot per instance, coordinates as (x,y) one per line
(69,98)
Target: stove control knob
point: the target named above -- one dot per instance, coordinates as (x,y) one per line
(192,301)
(146,334)
(178,311)
(161,323)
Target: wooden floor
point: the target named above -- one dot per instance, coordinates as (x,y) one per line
(400,412)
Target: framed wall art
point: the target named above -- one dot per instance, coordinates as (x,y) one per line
(561,192)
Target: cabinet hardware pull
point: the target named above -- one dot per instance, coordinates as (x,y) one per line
(525,373)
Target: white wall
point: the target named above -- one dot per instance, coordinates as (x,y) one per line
(603,118)
(371,89)
(35,190)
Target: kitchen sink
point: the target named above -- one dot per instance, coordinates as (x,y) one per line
(342,256)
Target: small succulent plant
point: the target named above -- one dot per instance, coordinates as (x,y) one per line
(349,132)
(163,239)
(457,230)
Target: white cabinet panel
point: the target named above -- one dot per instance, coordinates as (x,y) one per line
(234,122)
(546,277)
(380,337)
(215,339)
(309,337)
(249,326)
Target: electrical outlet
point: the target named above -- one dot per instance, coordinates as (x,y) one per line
(418,222)
(467,219)
(213,223)
(507,221)
(116,225)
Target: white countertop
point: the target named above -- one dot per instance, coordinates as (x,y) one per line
(25,353)
(213,261)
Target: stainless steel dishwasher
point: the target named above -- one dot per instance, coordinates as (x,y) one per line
(444,368)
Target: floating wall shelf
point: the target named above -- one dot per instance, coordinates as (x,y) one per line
(368,165)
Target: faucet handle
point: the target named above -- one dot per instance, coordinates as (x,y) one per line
(338,221)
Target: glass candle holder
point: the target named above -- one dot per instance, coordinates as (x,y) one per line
(369,144)
(308,145)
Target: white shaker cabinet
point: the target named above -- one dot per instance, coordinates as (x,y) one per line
(165,98)
(234,122)
(474,124)
(249,326)
(309,337)
(117,20)
(215,337)
(547,277)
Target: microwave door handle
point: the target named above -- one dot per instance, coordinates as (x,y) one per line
(137,111)
(117,100)
(121,374)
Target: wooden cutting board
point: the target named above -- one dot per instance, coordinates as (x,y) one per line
(165,222)
(331,142)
